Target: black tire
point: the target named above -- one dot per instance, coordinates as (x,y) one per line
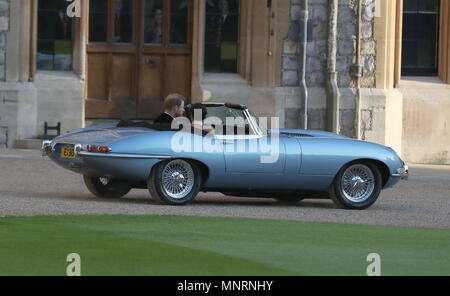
(161,186)
(366,182)
(106,188)
(289,199)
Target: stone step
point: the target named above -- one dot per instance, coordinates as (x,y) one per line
(28,144)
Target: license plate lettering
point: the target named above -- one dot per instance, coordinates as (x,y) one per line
(67,152)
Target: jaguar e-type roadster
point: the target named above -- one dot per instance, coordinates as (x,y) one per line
(238,158)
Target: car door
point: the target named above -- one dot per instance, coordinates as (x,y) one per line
(253,160)
(253,154)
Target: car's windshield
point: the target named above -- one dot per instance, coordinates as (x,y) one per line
(226,120)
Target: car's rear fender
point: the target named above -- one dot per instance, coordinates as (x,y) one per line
(103,135)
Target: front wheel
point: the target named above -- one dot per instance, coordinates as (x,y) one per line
(356,186)
(106,188)
(175,182)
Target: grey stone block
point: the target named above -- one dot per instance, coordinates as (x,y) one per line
(290,78)
(292,118)
(316,119)
(347,119)
(366,120)
(290,62)
(4,23)
(3,137)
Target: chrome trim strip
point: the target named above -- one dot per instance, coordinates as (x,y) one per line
(253,124)
(120,155)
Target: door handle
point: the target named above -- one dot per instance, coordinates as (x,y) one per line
(227,142)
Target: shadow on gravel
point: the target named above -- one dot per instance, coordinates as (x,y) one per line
(142,199)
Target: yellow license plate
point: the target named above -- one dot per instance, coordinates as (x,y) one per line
(67,152)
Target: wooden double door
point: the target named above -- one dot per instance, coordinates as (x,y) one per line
(138,52)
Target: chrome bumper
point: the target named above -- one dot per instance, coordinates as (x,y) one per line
(403,173)
(47,148)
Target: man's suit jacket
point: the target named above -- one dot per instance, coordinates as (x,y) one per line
(164,119)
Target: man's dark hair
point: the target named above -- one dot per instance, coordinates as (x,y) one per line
(173,100)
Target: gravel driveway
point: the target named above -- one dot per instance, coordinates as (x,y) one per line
(33,185)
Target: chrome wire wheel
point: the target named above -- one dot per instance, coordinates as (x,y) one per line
(357,183)
(104,181)
(177,179)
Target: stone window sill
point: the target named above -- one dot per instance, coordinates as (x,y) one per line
(56,75)
(223,79)
(422,82)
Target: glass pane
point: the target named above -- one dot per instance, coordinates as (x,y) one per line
(410,5)
(179,10)
(45,55)
(420,41)
(123,21)
(236,124)
(54,36)
(420,6)
(212,58)
(428,5)
(222,36)
(153,31)
(98,20)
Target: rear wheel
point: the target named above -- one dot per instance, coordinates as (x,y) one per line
(356,186)
(106,188)
(175,182)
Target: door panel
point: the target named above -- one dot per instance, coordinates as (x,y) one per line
(177,74)
(110,109)
(123,66)
(139,64)
(151,91)
(97,82)
(251,156)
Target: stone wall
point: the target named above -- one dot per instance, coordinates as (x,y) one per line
(426,120)
(18,99)
(4,26)
(317,61)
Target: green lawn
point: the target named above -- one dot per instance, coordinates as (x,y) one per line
(173,245)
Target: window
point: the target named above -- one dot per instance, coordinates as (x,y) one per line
(55,45)
(154,22)
(156,12)
(122,21)
(98,20)
(420,37)
(222,36)
(178,21)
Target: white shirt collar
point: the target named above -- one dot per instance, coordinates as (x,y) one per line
(169,115)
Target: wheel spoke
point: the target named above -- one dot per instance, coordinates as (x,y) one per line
(357,183)
(178,179)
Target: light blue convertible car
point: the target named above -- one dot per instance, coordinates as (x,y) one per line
(239,159)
